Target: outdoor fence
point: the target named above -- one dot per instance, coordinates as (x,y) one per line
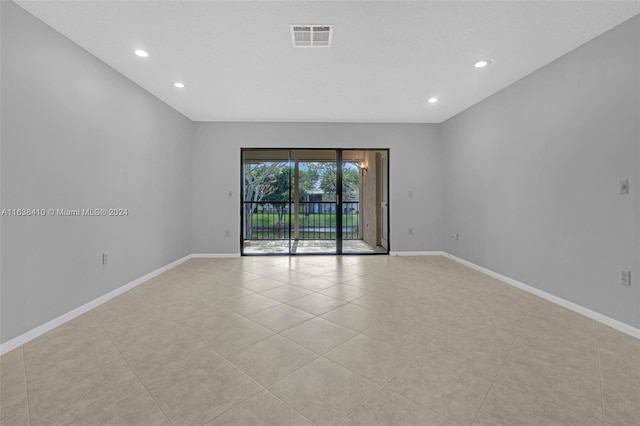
(267,220)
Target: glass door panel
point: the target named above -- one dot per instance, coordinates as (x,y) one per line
(266,206)
(315,190)
(362,190)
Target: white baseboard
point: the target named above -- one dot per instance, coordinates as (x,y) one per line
(620,326)
(56,322)
(417,253)
(214,255)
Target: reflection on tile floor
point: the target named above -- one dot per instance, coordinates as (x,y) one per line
(309,247)
(324,340)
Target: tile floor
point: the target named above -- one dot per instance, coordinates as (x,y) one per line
(371,340)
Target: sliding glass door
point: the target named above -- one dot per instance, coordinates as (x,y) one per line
(305,201)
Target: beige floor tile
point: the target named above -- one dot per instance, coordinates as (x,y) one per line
(125,332)
(221,294)
(203,392)
(239,276)
(159,360)
(285,293)
(550,382)
(383,303)
(271,359)
(386,408)
(289,277)
(262,284)
(319,335)
(14,409)
(85,354)
(261,409)
(554,319)
(70,396)
(63,338)
(261,269)
(480,352)
(506,407)
(406,336)
(134,409)
(323,391)
(560,350)
(369,283)
(315,284)
(202,322)
(353,316)
(251,304)
(237,335)
(369,357)
(621,404)
(449,391)
(265,271)
(185,309)
(615,375)
(170,334)
(623,349)
(13,356)
(12,374)
(344,292)
(313,270)
(280,317)
(338,276)
(316,304)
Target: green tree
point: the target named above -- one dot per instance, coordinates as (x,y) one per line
(280,185)
(350,180)
(257,185)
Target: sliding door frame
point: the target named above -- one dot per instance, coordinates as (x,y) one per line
(339,201)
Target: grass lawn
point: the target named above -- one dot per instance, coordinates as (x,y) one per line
(261,220)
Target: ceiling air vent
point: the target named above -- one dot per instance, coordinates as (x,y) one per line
(306,35)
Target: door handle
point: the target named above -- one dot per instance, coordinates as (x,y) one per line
(337,200)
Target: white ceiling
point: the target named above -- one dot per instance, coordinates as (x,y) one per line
(387,59)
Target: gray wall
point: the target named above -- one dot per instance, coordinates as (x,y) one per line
(414,166)
(531,175)
(527,177)
(76,134)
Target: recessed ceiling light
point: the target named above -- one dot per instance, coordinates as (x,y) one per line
(178,85)
(483,63)
(141,53)
(433,100)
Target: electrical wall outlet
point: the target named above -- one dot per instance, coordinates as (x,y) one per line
(227,233)
(625,277)
(410,231)
(623,186)
(105,258)
(455,236)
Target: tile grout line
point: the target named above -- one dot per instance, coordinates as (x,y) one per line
(134,372)
(380,386)
(526,392)
(26,384)
(413,354)
(418,402)
(245,374)
(496,376)
(261,386)
(604,422)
